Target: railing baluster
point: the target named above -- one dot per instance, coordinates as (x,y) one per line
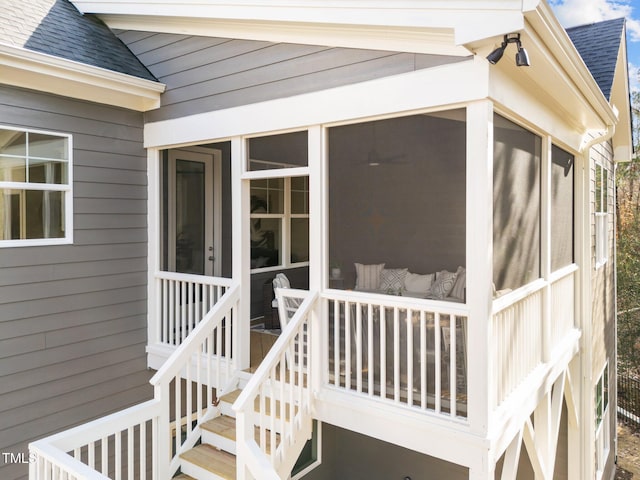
(358,347)
(452,361)
(118,455)
(347,345)
(370,363)
(383,352)
(423,360)
(336,343)
(438,361)
(409,323)
(396,354)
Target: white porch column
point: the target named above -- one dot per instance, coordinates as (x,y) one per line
(241,262)
(545,244)
(479,253)
(153,245)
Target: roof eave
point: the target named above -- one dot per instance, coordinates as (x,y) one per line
(25,68)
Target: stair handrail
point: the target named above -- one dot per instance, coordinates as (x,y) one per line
(257,459)
(177,365)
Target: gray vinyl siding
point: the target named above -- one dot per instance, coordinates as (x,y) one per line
(73,317)
(205,74)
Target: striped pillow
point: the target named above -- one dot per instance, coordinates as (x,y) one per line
(368,276)
(458,288)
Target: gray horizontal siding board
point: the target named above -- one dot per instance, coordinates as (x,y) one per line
(25,414)
(110,205)
(269,74)
(30,101)
(70,335)
(152,42)
(83,350)
(100,237)
(108,190)
(78,382)
(251,62)
(112,160)
(54,373)
(53,423)
(68,288)
(130,36)
(23,310)
(108,221)
(15,346)
(68,319)
(202,58)
(184,51)
(107,175)
(61,254)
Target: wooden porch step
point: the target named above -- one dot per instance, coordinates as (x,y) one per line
(221,432)
(183,476)
(215,463)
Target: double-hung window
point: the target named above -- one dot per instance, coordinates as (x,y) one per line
(279,222)
(35,187)
(601,214)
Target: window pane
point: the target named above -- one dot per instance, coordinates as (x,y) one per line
(605,388)
(299,240)
(288,150)
(48,146)
(300,195)
(29,214)
(13,143)
(190,217)
(266,242)
(13,169)
(516,205)
(598,402)
(267,197)
(561,208)
(44,171)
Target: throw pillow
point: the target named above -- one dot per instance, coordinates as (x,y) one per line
(457,291)
(417,283)
(368,276)
(281,281)
(392,279)
(443,285)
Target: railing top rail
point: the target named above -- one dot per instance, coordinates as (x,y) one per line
(563,272)
(181,355)
(292,292)
(76,468)
(511,298)
(392,301)
(189,277)
(272,358)
(101,427)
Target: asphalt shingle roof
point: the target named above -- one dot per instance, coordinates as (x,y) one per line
(56,27)
(598,45)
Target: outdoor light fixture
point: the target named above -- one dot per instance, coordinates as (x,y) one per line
(522,57)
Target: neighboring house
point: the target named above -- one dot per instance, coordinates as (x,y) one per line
(161,162)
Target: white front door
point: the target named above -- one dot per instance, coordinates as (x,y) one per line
(193,215)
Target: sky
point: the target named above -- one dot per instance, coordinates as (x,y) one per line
(579,12)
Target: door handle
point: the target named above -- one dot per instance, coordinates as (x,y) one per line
(211,258)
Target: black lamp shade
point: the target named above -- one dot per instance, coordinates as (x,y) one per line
(522,58)
(495,56)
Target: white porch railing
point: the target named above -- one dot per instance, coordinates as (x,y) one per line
(517,341)
(113,447)
(562,303)
(278,399)
(182,301)
(120,445)
(398,349)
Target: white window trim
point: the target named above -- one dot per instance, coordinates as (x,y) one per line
(66,188)
(285,230)
(601,217)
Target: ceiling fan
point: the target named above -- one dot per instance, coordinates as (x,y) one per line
(375,159)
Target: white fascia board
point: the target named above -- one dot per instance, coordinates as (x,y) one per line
(437,87)
(428,41)
(463,21)
(547,31)
(25,68)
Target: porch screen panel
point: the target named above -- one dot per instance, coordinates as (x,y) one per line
(516,205)
(288,150)
(562,208)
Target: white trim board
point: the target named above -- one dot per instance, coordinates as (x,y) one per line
(24,68)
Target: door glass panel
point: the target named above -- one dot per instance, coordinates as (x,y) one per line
(190,221)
